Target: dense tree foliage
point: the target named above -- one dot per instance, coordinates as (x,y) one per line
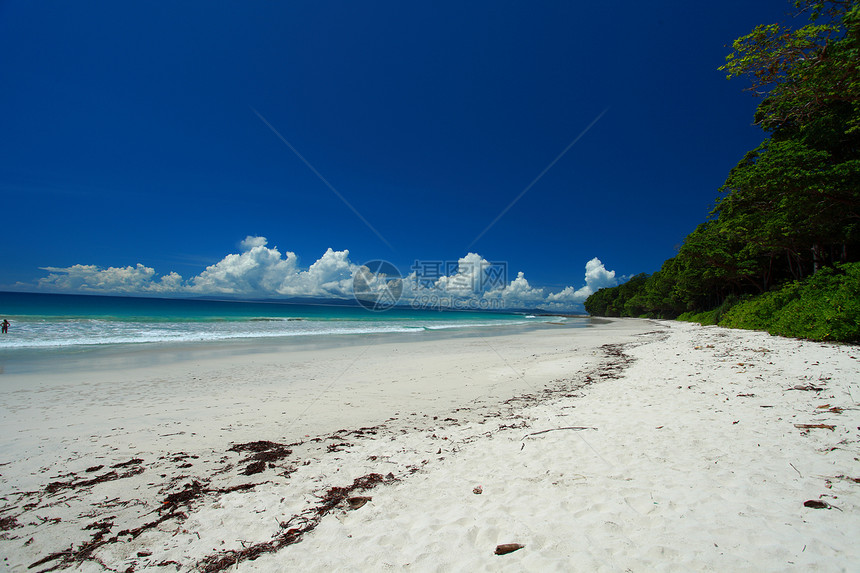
(791,207)
(807,73)
(825,306)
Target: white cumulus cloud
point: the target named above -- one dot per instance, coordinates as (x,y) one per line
(518,294)
(474,285)
(257,270)
(596,278)
(331,275)
(470,277)
(252,241)
(91,278)
(263,271)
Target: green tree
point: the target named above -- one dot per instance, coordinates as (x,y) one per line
(803,73)
(712,264)
(791,207)
(792,202)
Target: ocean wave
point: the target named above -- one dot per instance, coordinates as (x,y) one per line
(474,325)
(118,336)
(73,330)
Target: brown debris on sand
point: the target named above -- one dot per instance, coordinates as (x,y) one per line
(264,454)
(56,486)
(358,501)
(309,520)
(7,523)
(506,548)
(85,551)
(177,495)
(815,426)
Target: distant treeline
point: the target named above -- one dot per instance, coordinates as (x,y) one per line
(781,247)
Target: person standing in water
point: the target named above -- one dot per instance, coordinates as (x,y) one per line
(5,324)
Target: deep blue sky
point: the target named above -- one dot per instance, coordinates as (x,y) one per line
(128,134)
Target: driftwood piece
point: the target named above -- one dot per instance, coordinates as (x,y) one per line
(575,428)
(815,426)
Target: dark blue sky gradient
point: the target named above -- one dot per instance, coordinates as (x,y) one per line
(128,134)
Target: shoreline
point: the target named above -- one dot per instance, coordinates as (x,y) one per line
(107,356)
(570,428)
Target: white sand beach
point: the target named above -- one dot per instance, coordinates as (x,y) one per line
(631,446)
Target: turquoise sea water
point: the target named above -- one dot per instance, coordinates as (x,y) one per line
(48,322)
